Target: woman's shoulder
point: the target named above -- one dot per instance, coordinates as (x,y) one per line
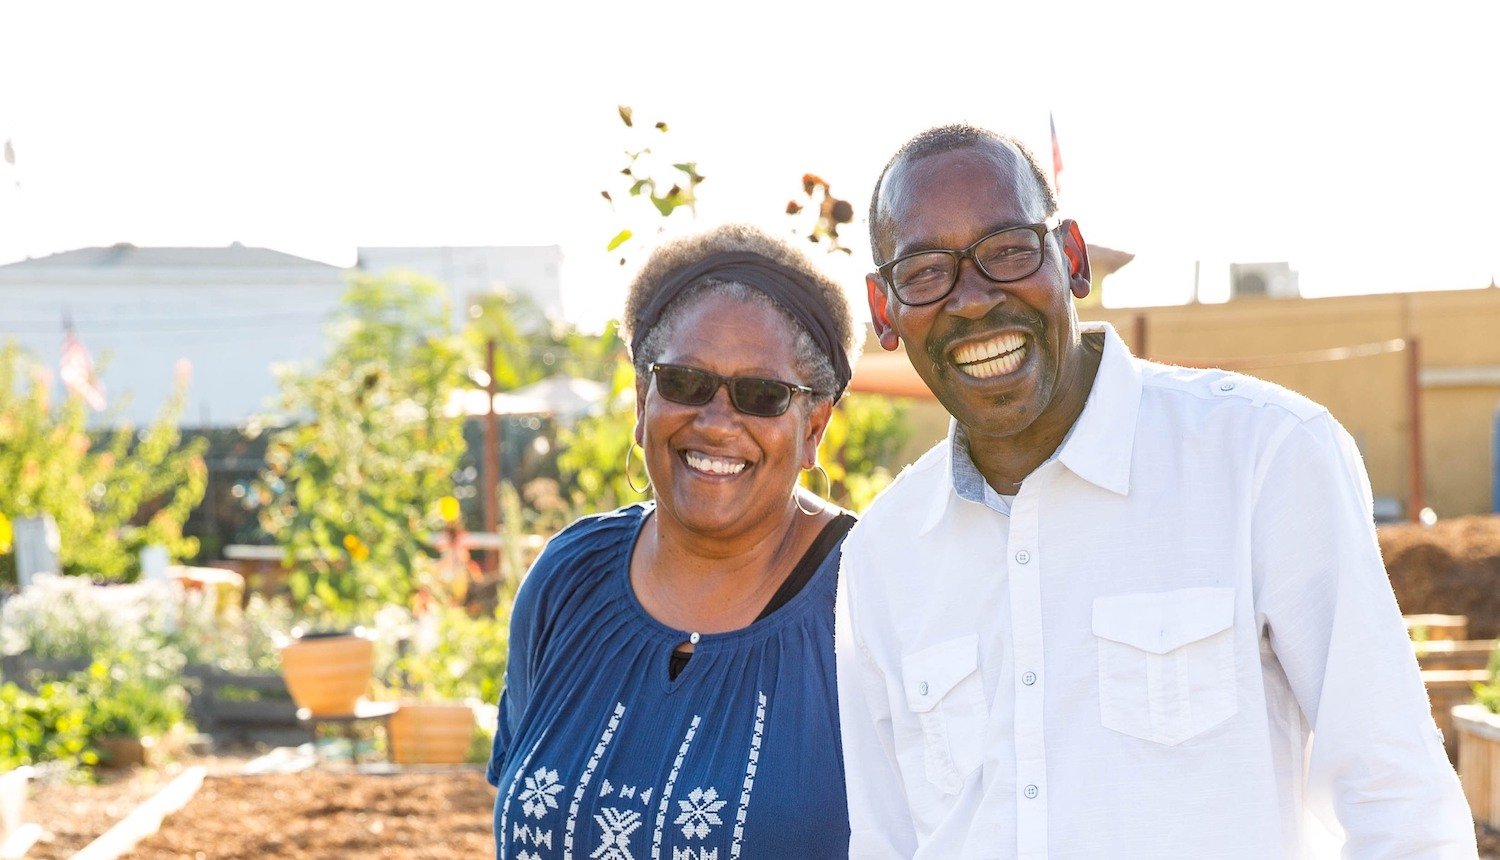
(585,549)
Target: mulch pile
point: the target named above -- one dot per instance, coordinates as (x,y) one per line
(1450,568)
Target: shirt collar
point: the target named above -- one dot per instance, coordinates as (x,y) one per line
(1097,448)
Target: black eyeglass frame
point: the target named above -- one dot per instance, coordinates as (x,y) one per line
(791,388)
(1041,230)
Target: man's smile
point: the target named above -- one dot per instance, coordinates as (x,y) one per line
(995,356)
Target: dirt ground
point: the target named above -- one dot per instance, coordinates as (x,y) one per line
(312,814)
(1451,568)
(315,815)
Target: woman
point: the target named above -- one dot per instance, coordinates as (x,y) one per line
(670,690)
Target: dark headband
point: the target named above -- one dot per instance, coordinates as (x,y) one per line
(792,290)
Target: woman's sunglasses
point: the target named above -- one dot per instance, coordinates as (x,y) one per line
(752,395)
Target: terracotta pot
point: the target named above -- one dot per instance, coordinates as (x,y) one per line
(328,673)
(431,732)
(126,751)
(1479,760)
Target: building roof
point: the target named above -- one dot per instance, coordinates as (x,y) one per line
(127,256)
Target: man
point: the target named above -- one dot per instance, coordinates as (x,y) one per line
(1124,610)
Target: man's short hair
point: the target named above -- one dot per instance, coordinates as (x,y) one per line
(946,138)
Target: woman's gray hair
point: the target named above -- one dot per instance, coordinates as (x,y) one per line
(814,364)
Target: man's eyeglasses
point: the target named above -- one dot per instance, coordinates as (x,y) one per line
(752,395)
(1012,254)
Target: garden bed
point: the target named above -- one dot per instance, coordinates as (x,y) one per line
(311,814)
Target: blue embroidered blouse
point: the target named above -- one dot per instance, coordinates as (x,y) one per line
(600,754)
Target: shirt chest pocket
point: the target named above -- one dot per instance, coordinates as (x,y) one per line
(946,693)
(1166,662)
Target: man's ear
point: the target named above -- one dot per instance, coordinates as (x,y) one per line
(1080,277)
(879,314)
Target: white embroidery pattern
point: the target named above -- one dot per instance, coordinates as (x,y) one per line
(615,827)
(666,792)
(627,791)
(524,835)
(606,789)
(700,812)
(510,793)
(588,774)
(699,853)
(646,797)
(541,792)
(750,766)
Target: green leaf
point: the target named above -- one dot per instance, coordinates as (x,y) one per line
(620,238)
(691,169)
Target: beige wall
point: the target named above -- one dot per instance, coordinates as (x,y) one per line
(1459,336)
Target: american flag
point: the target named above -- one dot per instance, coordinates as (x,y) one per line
(1056,158)
(77,370)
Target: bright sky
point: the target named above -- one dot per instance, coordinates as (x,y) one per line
(1355,143)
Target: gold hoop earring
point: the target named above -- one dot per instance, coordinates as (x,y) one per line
(827,491)
(631,450)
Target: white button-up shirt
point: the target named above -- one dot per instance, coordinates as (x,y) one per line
(1177,640)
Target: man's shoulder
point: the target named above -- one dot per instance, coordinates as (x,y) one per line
(915,484)
(1213,388)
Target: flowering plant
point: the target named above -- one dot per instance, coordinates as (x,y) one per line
(61,617)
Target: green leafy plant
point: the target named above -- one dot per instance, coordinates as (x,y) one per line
(355,481)
(110,496)
(592,461)
(49,725)
(864,432)
(232,639)
(665,184)
(452,655)
(131,697)
(1488,693)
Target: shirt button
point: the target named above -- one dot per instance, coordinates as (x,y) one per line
(694,638)
(922,689)
(1030,791)
(1226,386)
(1029,678)
(1023,556)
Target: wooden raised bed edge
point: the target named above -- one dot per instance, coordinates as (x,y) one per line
(1478,733)
(145,819)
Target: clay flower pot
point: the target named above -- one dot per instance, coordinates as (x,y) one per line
(327,673)
(431,732)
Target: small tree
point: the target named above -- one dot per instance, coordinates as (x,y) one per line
(109,499)
(355,484)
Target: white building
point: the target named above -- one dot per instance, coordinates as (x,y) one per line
(231,312)
(531,271)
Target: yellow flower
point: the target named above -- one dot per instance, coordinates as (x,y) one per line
(356,547)
(5,533)
(448,508)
